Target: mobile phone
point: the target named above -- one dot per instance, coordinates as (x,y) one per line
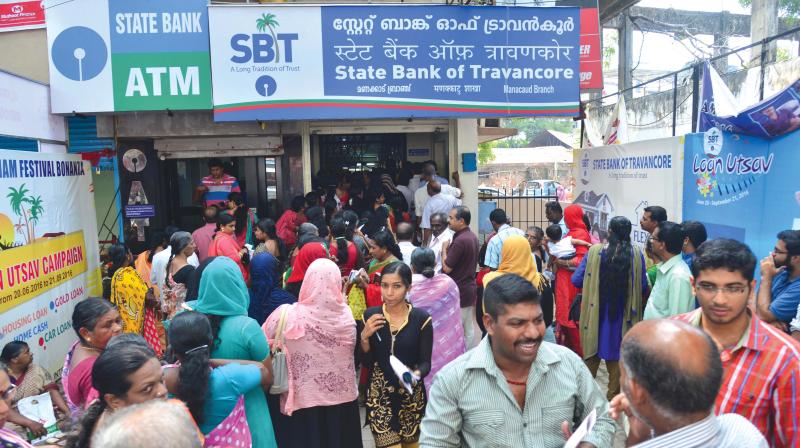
(352,277)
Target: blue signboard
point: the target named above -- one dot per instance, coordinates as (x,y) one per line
(375,61)
(744,188)
(140,211)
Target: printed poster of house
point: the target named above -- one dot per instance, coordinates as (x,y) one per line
(597,207)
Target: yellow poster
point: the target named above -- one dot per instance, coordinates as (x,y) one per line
(30,270)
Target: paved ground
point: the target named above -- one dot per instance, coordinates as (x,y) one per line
(602,381)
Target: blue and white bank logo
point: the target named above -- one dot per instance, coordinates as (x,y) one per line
(79,53)
(266,85)
(585,168)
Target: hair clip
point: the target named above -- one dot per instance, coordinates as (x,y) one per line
(196,349)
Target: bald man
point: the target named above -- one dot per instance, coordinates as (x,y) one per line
(439,202)
(670,376)
(405,239)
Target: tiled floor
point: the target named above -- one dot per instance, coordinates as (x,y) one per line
(602,381)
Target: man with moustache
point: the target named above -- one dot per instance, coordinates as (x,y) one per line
(761,363)
(779,293)
(670,375)
(514,389)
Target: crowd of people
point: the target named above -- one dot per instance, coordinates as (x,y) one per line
(375,293)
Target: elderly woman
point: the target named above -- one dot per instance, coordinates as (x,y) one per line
(179,272)
(95,320)
(319,339)
(29,380)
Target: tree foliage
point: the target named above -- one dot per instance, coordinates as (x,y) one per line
(485,153)
(790,7)
(529,128)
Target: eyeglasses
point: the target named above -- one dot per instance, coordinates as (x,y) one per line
(8,394)
(711,290)
(533,237)
(655,239)
(779,252)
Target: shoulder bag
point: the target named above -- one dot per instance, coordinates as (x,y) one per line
(280,370)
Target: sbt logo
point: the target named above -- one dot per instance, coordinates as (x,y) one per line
(262,48)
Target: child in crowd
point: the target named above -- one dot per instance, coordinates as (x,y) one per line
(561,248)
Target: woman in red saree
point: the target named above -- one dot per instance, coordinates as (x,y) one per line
(225,243)
(567,332)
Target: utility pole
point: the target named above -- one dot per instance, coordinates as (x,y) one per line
(763,24)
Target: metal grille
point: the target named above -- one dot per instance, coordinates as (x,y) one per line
(522,211)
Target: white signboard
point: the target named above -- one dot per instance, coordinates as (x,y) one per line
(25,110)
(49,258)
(621,180)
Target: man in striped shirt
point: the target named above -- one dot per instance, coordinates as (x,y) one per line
(762,364)
(671,373)
(514,389)
(215,188)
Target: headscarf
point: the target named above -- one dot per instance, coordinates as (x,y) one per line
(265,295)
(306,256)
(193,285)
(573,218)
(516,258)
(320,329)
(222,290)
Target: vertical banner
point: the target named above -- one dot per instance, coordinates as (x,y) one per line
(745,188)
(49,256)
(621,180)
(129,55)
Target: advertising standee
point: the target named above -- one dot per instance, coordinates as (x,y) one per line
(622,180)
(49,258)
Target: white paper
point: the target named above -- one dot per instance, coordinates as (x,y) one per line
(582,431)
(39,408)
(399,369)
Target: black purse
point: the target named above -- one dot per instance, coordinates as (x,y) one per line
(575,309)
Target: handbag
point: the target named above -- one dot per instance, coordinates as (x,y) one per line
(575,309)
(280,370)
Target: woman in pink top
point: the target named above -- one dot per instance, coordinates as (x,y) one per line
(96,321)
(319,340)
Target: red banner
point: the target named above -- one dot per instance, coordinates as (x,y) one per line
(591,50)
(20,15)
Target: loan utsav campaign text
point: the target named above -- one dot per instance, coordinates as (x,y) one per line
(49,257)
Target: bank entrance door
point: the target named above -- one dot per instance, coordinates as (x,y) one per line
(258,178)
(361,152)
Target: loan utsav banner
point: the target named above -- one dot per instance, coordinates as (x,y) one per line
(130,55)
(382,61)
(743,187)
(49,258)
(621,180)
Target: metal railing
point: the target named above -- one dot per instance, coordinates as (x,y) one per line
(695,78)
(522,211)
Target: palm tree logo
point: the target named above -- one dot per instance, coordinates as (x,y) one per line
(28,216)
(269,22)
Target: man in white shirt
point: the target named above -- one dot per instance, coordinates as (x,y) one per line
(405,237)
(421,195)
(438,203)
(158,272)
(441,233)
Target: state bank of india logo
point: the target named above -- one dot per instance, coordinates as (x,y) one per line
(79,53)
